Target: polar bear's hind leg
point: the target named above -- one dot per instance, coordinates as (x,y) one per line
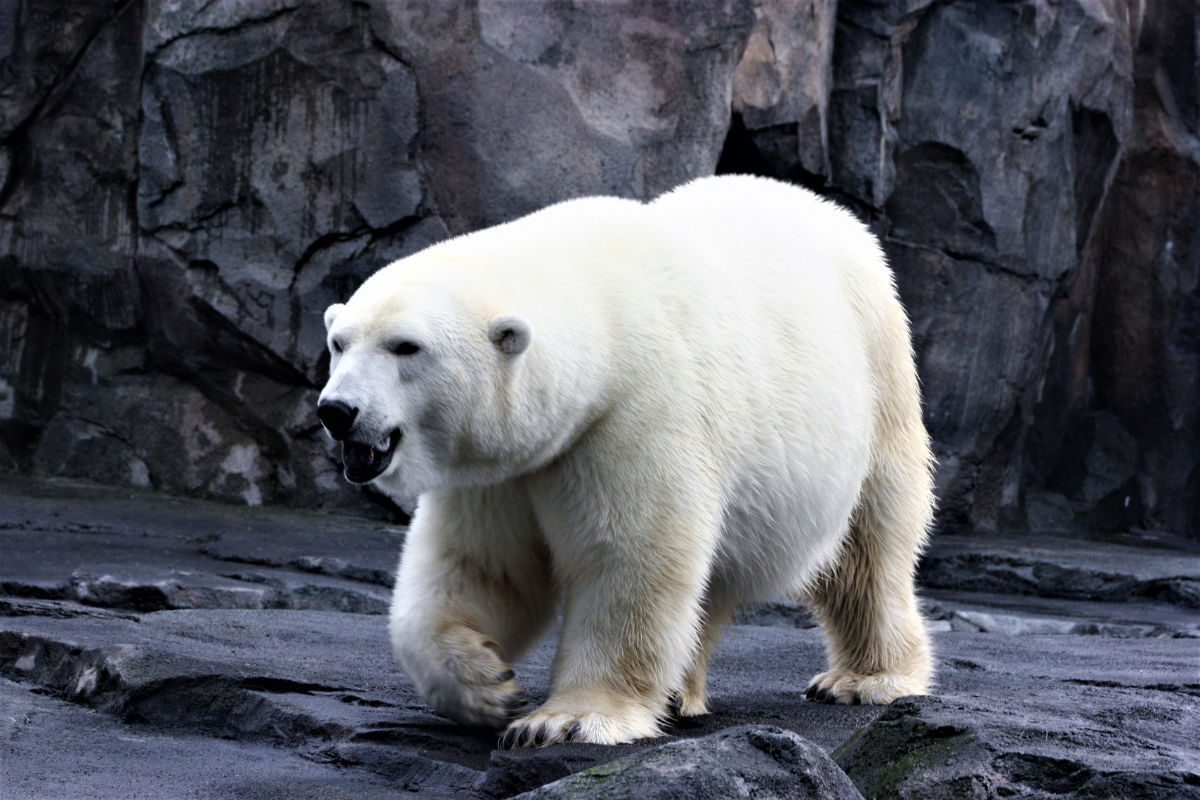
(692,699)
(876,639)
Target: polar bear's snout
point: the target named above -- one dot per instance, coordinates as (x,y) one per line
(363,461)
(337,417)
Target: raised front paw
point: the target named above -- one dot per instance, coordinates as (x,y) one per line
(598,722)
(849,688)
(474,685)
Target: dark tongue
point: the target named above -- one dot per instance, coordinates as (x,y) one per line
(358,457)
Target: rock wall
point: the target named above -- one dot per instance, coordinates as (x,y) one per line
(186,185)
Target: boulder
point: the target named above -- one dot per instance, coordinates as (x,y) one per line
(526,104)
(747,761)
(958,747)
(781,88)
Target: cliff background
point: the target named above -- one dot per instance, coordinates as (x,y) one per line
(185,185)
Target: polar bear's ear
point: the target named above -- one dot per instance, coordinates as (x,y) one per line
(331,314)
(512,333)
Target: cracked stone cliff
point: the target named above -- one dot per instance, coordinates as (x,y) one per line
(186,186)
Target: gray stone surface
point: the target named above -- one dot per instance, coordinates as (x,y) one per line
(152,646)
(128,547)
(184,186)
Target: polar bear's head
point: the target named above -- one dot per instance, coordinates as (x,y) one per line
(417,377)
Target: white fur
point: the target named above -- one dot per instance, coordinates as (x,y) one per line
(695,403)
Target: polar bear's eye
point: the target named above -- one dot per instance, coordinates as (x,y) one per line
(405,348)
(336,346)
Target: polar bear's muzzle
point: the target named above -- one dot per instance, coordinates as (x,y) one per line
(365,462)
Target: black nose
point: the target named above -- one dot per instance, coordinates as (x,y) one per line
(337,417)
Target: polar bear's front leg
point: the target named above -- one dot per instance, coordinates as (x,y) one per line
(471,593)
(632,566)
(628,636)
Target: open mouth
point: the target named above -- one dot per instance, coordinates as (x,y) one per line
(365,462)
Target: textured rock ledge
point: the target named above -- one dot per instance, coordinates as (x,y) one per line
(154,647)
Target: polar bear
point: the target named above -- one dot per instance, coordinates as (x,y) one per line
(639,417)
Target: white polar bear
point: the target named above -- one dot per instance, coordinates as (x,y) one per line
(640,416)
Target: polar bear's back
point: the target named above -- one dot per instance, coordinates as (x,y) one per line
(791,249)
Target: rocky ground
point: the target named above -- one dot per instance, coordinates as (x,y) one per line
(154,647)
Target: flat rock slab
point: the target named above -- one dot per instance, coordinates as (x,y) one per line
(321,685)
(281,675)
(53,749)
(1021,615)
(144,640)
(1060,567)
(145,552)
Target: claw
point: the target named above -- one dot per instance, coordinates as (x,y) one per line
(507,675)
(572,732)
(820,694)
(509,740)
(539,738)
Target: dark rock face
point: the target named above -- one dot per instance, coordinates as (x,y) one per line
(1145,354)
(990,146)
(187,187)
(979,139)
(184,187)
(262,148)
